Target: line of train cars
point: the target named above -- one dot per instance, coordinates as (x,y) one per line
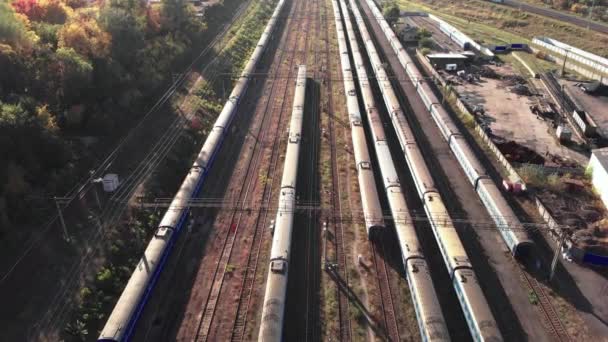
(478,314)
(273,310)
(509,226)
(372,211)
(124,317)
(431,322)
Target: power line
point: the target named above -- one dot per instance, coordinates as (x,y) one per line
(150,162)
(357,216)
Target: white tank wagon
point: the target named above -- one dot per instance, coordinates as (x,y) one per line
(510,227)
(428,311)
(271,326)
(372,211)
(476,310)
(126,312)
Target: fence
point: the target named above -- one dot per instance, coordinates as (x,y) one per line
(583,62)
(450,92)
(555,230)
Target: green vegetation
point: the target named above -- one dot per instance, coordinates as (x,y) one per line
(532,297)
(537,177)
(593,9)
(425,43)
(390,10)
(494,24)
(72,68)
(97,299)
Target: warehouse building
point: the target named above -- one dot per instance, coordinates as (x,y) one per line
(599,168)
(447,61)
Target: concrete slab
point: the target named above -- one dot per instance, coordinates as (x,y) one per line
(509,116)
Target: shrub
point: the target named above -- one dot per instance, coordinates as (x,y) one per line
(425,43)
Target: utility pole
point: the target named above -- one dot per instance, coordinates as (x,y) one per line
(590,12)
(564,64)
(65,229)
(95,182)
(558,250)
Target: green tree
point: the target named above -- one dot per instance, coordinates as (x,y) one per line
(425,43)
(13,29)
(75,72)
(127,30)
(391,12)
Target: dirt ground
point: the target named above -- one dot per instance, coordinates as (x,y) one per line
(509,116)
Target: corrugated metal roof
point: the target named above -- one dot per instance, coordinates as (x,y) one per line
(447,55)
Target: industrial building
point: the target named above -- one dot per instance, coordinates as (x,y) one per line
(599,168)
(447,61)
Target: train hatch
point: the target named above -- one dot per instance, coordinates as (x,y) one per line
(278,266)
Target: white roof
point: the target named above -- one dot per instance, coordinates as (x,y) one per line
(447,55)
(602,156)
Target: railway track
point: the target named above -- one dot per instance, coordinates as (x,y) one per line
(338,229)
(56,314)
(386,296)
(438,36)
(552,322)
(312,281)
(246,289)
(278,97)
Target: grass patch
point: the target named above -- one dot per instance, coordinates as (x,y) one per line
(493,24)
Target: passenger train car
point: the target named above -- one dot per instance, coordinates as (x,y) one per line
(510,227)
(271,326)
(130,305)
(428,311)
(477,312)
(372,211)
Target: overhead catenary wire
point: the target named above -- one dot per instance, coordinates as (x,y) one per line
(115,209)
(83,186)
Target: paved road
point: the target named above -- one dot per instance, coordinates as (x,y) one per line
(546,12)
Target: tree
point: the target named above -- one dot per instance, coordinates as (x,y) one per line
(425,43)
(12,67)
(14,29)
(54,12)
(75,72)
(86,37)
(391,12)
(578,8)
(127,31)
(29,8)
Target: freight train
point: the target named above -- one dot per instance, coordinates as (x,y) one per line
(477,312)
(271,325)
(510,228)
(430,318)
(124,317)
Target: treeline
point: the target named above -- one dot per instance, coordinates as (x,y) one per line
(597,9)
(74,68)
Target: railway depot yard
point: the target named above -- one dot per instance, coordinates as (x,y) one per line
(362,171)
